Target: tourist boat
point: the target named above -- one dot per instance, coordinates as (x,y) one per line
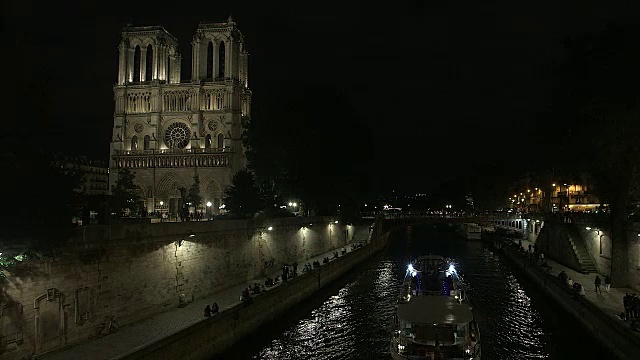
(432,275)
(433,319)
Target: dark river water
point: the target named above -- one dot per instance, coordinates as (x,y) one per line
(351,318)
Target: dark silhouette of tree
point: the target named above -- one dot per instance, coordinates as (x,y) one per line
(125,194)
(243,198)
(317,149)
(193,197)
(599,98)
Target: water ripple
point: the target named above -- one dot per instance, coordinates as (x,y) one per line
(354,322)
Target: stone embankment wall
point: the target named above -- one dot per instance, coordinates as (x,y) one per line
(134,271)
(213,335)
(553,240)
(608,330)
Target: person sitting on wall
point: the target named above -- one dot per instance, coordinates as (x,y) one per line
(214,308)
(245,295)
(562,276)
(325,260)
(207,311)
(256,288)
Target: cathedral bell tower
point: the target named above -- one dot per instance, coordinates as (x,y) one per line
(166,129)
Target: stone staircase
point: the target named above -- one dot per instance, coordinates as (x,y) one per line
(586,261)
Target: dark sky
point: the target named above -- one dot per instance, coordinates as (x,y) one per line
(449,89)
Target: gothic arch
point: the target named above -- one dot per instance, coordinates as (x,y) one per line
(147,142)
(149,64)
(209,60)
(221,59)
(213,193)
(134,142)
(220,143)
(207,141)
(169,185)
(136,63)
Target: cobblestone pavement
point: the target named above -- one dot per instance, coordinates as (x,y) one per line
(135,336)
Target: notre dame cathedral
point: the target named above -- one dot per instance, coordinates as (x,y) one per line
(165,129)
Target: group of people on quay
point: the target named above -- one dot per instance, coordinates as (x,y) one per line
(288,272)
(533,255)
(211,310)
(631,303)
(573,285)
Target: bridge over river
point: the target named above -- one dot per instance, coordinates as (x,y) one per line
(350,320)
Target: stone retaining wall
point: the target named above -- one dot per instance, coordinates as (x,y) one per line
(213,335)
(134,271)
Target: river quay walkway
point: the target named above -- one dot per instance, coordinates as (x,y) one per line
(607,325)
(609,302)
(127,339)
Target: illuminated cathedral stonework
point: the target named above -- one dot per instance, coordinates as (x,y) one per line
(165,129)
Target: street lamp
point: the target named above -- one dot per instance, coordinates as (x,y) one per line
(209,208)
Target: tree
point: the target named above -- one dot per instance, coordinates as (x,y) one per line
(125,193)
(601,99)
(243,197)
(318,150)
(193,197)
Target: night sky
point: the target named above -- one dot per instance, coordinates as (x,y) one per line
(448,89)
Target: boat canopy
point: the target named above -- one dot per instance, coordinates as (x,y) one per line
(434,310)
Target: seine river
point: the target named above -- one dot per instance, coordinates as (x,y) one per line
(350,319)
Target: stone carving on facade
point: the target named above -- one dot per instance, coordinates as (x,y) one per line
(212,125)
(138,127)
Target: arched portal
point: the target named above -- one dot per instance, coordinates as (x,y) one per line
(134,142)
(207,141)
(168,191)
(147,142)
(213,193)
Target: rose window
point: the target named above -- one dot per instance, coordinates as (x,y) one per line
(138,127)
(177,136)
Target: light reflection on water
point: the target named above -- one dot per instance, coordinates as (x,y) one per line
(353,320)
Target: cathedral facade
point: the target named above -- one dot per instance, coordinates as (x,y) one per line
(165,129)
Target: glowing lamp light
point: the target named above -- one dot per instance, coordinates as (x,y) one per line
(554,184)
(295,204)
(290,203)
(161,203)
(335,222)
(208,203)
(270,228)
(452,269)
(588,228)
